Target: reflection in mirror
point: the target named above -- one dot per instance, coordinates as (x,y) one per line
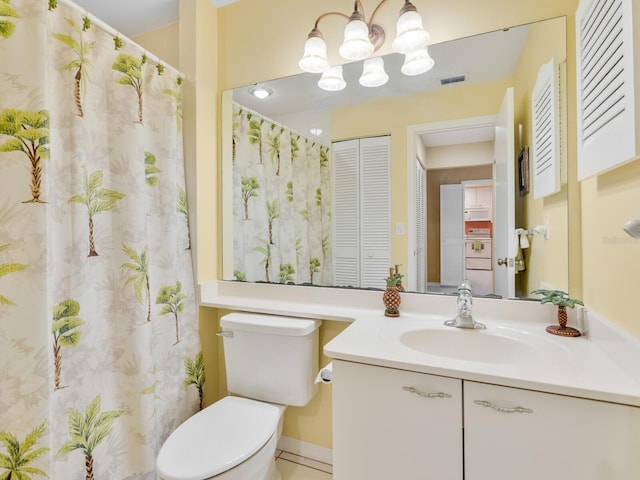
(455,202)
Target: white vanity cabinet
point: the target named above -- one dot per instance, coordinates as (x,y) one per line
(394,424)
(520,434)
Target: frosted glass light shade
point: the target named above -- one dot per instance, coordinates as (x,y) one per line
(410,34)
(332,79)
(356,44)
(373,74)
(417,62)
(314,59)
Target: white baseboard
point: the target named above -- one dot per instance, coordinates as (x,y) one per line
(304,449)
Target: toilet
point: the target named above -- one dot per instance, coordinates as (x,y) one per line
(271,362)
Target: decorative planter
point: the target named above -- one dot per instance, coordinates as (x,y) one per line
(562,329)
(391,299)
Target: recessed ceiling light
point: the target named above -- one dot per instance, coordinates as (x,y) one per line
(315,131)
(260,91)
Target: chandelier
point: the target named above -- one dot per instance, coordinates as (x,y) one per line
(361,39)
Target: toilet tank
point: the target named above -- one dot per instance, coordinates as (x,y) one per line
(271,358)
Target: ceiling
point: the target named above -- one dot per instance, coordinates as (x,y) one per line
(133,17)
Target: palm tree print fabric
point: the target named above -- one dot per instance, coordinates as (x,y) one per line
(98,332)
(281,203)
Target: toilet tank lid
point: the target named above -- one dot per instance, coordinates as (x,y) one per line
(271,324)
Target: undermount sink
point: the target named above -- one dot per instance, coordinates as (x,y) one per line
(475,345)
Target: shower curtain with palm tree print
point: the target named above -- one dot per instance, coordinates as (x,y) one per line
(100,351)
(281,203)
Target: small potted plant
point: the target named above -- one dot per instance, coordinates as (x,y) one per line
(562,301)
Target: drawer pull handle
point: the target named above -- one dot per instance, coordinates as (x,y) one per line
(426,395)
(500,409)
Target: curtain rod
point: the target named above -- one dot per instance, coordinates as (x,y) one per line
(247,109)
(115,33)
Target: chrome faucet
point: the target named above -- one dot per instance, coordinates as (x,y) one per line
(464,318)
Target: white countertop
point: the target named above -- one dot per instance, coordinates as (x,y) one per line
(601,365)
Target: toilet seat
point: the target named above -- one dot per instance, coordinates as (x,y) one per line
(217,439)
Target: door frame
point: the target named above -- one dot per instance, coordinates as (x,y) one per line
(413,131)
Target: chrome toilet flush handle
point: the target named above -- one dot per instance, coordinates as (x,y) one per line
(225,333)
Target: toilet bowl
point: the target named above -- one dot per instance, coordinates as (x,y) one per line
(233,439)
(271,362)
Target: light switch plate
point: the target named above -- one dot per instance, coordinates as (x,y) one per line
(632,227)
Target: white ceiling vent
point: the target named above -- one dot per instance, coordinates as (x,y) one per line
(453,79)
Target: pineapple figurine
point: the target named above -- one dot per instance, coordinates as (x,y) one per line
(562,301)
(391,297)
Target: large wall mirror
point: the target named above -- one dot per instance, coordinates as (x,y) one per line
(469,145)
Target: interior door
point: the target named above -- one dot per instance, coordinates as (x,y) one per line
(451,234)
(421,213)
(504,243)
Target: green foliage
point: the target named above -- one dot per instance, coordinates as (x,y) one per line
(557,297)
(239,276)
(394,280)
(325,246)
(172,298)
(117,43)
(53,4)
(314,265)
(6,27)
(324,158)
(87,430)
(66,322)
(181,206)
(298,249)
(139,266)
(265,249)
(86,23)
(6,269)
(249,189)
(272,210)
(289,192)
(318,197)
(94,197)
(19,455)
(295,148)
(160,68)
(286,273)
(194,371)
(305,213)
(130,67)
(29,129)
(150,170)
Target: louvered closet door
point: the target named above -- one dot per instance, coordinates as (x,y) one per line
(346,215)
(421,263)
(605,85)
(375,211)
(362,212)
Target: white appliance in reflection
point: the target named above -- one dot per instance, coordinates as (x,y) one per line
(477,260)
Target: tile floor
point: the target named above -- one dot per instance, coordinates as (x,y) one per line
(295,467)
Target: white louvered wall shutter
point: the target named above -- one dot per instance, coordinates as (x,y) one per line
(545,113)
(362,212)
(605,85)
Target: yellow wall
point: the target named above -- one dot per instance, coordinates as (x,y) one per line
(546,260)
(254,40)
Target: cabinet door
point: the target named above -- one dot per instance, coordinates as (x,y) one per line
(552,438)
(386,426)
(483,197)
